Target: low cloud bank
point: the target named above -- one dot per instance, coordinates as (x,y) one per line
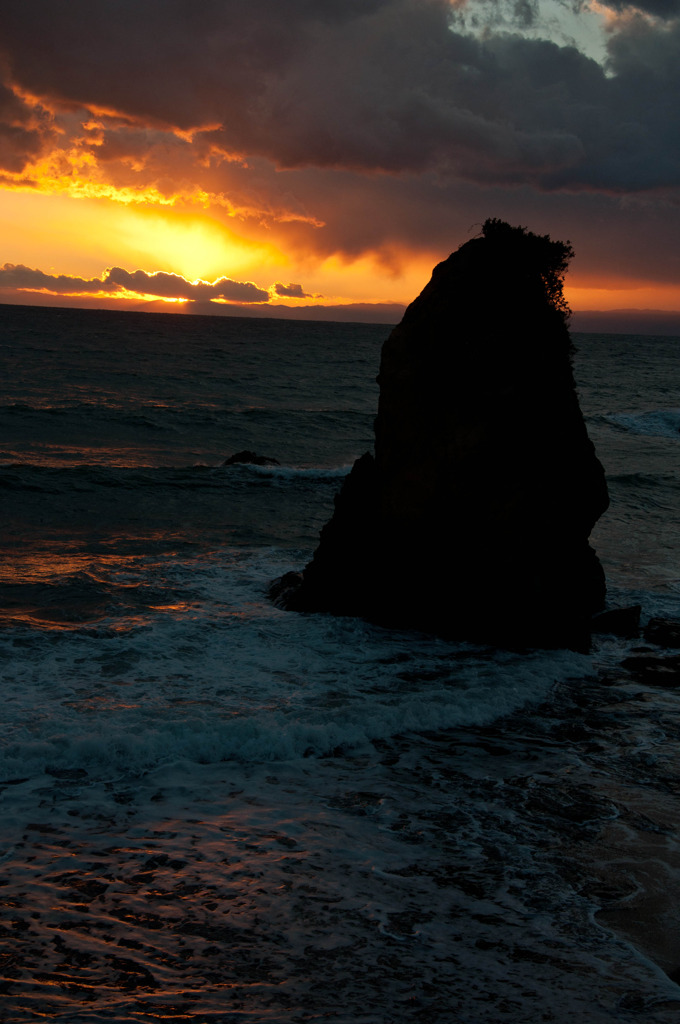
(117,280)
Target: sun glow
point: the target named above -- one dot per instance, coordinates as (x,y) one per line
(83,237)
(54,232)
(194,245)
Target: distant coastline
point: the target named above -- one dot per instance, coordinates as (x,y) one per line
(592,321)
(626,321)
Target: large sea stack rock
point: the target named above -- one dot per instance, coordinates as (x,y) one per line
(472,519)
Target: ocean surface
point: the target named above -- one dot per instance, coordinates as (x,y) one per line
(215,810)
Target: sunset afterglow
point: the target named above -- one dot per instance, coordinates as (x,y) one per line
(237,148)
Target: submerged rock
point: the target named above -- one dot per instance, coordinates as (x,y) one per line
(663,632)
(472,518)
(624,622)
(247,457)
(654,670)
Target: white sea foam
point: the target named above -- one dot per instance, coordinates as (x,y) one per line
(226,676)
(292,472)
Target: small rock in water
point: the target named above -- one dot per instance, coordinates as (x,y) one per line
(250,458)
(623,622)
(663,632)
(653,670)
(284,588)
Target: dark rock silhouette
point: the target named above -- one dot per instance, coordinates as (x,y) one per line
(247,457)
(654,670)
(664,632)
(472,519)
(624,622)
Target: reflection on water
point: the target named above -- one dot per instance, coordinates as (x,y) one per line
(53,588)
(50,564)
(64,455)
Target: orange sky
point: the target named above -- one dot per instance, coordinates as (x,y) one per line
(331,158)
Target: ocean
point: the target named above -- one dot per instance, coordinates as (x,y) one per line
(216,810)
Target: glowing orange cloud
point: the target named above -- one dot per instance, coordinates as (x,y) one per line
(108,189)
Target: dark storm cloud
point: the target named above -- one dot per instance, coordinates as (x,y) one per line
(172,61)
(372,85)
(22,131)
(116,279)
(394,217)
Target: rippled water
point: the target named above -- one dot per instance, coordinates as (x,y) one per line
(213,809)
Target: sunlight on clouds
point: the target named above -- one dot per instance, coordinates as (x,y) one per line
(583,25)
(74,173)
(194,246)
(81,237)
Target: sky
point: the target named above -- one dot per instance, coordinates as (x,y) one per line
(319,157)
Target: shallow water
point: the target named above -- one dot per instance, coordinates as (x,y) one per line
(470,875)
